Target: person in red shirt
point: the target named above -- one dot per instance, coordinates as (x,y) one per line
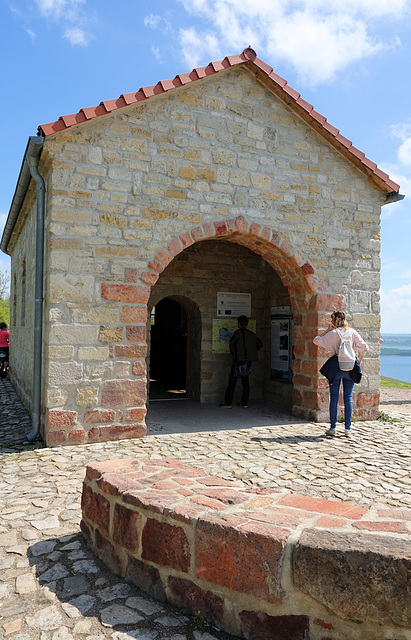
(4,348)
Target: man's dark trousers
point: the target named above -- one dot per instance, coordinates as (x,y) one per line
(232,381)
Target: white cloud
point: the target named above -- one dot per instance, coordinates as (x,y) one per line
(196,46)
(152,20)
(70,14)
(400,171)
(31,34)
(51,7)
(404,152)
(396,310)
(318,38)
(76,36)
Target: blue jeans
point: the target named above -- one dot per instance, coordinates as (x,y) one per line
(348,386)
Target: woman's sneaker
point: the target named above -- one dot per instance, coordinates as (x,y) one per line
(331,431)
(349,433)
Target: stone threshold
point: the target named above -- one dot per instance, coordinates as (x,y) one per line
(258,563)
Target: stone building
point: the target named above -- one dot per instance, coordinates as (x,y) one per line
(133,220)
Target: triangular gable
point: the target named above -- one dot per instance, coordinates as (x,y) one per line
(269,78)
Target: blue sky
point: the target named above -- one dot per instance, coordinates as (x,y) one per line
(351,59)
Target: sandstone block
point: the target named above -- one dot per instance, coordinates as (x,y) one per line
(223,156)
(136,333)
(113,221)
(56,397)
(60,353)
(96,416)
(116,432)
(115,252)
(77,436)
(145,577)
(133,314)
(369,575)
(125,293)
(96,508)
(87,397)
(93,353)
(71,288)
(108,333)
(58,418)
(165,545)
(72,334)
(250,556)
(61,373)
(190,597)
(128,393)
(135,414)
(257,625)
(125,530)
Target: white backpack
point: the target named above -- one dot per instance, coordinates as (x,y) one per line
(346,354)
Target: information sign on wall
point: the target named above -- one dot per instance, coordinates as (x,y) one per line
(223,329)
(281,347)
(231,304)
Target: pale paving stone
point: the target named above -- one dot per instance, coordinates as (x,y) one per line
(62,634)
(12,627)
(25,584)
(3,591)
(52,522)
(46,620)
(82,626)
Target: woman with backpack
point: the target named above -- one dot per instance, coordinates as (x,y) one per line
(342,341)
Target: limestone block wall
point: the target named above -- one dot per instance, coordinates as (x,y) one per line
(128,192)
(22,301)
(261,565)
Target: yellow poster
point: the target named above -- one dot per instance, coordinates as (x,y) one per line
(223,329)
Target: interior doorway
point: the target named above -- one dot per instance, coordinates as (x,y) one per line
(168,351)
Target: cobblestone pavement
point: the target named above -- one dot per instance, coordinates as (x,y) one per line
(53,588)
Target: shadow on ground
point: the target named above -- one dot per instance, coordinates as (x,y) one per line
(75,583)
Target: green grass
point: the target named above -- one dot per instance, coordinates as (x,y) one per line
(394,384)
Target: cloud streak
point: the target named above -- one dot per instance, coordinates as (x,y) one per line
(71,15)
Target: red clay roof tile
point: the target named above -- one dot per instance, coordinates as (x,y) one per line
(304,104)
(265,74)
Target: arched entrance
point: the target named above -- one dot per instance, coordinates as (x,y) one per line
(203,270)
(168,351)
(174,335)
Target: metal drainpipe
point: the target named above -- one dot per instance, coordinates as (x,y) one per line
(33,161)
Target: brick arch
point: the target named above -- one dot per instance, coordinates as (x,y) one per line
(308,296)
(295,271)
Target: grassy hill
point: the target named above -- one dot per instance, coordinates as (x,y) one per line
(396,384)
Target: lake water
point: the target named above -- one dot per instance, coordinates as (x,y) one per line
(396,366)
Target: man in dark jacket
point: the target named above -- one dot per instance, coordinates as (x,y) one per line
(244,345)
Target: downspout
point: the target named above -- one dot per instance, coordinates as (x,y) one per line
(32,160)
